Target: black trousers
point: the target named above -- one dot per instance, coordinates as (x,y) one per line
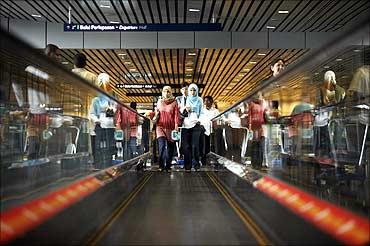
(205,147)
(191,146)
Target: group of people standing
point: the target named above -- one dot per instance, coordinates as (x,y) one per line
(189,113)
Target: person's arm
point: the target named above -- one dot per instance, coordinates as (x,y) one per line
(177,121)
(94,111)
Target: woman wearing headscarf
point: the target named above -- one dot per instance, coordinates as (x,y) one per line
(167,119)
(192,128)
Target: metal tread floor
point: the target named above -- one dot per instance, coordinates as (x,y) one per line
(177,209)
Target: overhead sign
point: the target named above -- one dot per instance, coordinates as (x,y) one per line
(151,86)
(136,86)
(141,27)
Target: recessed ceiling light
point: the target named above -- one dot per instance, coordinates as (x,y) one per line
(132,69)
(189,69)
(270,27)
(339,59)
(65,62)
(189,75)
(114,22)
(356,50)
(326,66)
(261,54)
(192,54)
(104,6)
(194,10)
(252,62)
(283,12)
(246,69)
(122,54)
(37,16)
(127,63)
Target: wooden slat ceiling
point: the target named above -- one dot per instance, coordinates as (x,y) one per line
(227,74)
(234,15)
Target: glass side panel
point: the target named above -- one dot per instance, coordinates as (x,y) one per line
(55,127)
(308,127)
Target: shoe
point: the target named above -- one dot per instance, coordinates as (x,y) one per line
(160,169)
(188,171)
(197,169)
(168,170)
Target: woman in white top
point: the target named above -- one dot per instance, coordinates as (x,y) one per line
(208,113)
(191,128)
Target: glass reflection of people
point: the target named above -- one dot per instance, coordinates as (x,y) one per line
(277,66)
(167,119)
(36,115)
(102,114)
(192,128)
(256,118)
(359,94)
(80,62)
(330,92)
(208,113)
(133,122)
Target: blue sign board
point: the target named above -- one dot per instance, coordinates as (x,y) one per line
(141,27)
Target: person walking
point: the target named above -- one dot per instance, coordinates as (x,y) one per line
(167,119)
(192,128)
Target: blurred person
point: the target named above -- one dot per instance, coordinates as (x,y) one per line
(330,92)
(52,51)
(208,113)
(36,115)
(359,87)
(102,114)
(80,62)
(167,120)
(191,128)
(256,118)
(134,123)
(277,66)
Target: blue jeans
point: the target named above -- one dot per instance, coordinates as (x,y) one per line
(132,147)
(165,150)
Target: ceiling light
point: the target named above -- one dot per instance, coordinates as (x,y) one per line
(189,69)
(38,16)
(132,69)
(270,27)
(252,62)
(127,63)
(339,59)
(189,75)
(194,10)
(356,50)
(104,6)
(65,62)
(326,66)
(114,22)
(192,54)
(261,54)
(283,12)
(246,69)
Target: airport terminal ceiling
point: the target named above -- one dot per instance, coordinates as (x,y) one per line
(227,74)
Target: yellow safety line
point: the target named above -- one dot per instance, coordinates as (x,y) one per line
(117,212)
(247,220)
